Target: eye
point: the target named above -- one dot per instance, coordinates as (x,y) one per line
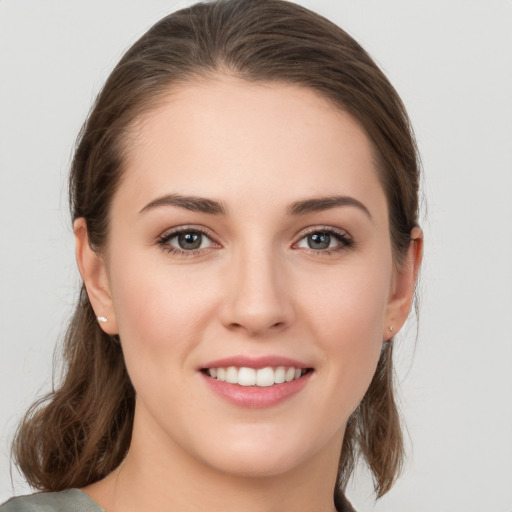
(185,240)
(325,240)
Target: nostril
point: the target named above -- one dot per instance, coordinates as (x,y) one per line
(238,315)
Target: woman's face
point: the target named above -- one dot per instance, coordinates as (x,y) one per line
(249,231)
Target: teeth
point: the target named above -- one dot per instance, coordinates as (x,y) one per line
(264,377)
(246,376)
(221,374)
(290,374)
(232,375)
(280,374)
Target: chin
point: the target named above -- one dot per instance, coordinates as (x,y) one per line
(255,464)
(263,454)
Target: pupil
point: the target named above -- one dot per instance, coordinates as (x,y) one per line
(189,240)
(319,241)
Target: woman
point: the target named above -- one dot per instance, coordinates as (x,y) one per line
(244,196)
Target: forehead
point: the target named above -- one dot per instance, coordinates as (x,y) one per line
(236,140)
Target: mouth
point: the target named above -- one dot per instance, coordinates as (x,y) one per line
(256,382)
(251,377)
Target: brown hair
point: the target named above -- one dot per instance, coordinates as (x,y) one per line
(81,431)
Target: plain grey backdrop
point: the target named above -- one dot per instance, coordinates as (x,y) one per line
(451,62)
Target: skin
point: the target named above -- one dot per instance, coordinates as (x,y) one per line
(255,287)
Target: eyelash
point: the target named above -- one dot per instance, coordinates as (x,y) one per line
(345,241)
(163,241)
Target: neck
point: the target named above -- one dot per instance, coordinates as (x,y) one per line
(163,479)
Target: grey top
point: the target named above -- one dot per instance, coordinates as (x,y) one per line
(74,500)
(70,500)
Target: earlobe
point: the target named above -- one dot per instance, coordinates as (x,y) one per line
(91,265)
(402,293)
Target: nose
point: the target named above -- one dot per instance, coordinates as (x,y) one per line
(257,299)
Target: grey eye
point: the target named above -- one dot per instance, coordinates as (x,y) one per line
(185,241)
(324,240)
(319,241)
(189,240)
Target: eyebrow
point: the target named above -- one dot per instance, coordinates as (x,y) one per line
(192,203)
(213,207)
(325,203)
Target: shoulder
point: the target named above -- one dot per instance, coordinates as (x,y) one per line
(70,500)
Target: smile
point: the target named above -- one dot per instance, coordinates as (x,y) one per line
(256,382)
(262,377)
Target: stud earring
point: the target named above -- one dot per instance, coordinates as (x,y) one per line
(102,319)
(391,328)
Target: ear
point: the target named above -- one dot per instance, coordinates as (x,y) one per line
(404,281)
(91,265)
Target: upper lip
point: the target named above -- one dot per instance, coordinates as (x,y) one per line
(255,362)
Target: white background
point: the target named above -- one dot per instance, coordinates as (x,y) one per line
(451,61)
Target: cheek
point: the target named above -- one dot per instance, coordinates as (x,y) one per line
(345,315)
(349,304)
(159,309)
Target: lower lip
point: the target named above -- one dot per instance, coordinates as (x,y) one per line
(256,397)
